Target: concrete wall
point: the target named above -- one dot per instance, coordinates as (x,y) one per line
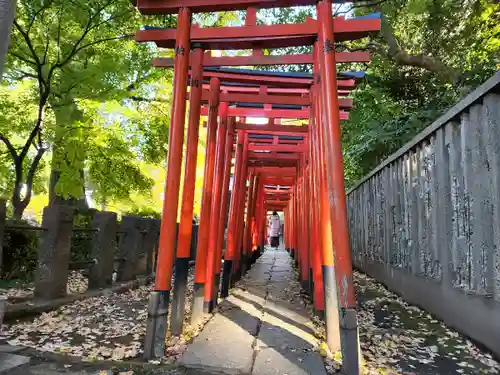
(426,222)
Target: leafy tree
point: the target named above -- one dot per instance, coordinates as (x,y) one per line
(71,52)
(428,54)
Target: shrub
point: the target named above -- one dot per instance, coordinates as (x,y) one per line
(20,252)
(144,212)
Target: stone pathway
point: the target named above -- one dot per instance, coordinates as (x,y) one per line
(263,328)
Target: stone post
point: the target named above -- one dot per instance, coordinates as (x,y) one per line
(103,251)
(142,251)
(157,244)
(54,252)
(129,248)
(149,243)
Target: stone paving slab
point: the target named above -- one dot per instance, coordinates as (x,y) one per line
(260,328)
(274,332)
(13,364)
(272,361)
(224,346)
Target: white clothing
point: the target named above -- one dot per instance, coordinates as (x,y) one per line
(274,226)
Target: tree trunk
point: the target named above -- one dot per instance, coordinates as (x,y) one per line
(18,204)
(54,198)
(66,114)
(7,12)
(18,207)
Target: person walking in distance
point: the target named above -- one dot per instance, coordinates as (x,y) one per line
(274,227)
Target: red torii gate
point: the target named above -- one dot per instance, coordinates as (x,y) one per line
(319,170)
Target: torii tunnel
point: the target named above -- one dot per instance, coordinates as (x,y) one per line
(295,168)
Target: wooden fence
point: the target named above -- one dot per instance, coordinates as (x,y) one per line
(426,222)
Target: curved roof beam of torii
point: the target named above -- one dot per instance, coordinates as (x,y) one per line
(257,78)
(300,101)
(266,60)
(282,91)
(270,113)
(272,129)
(263,36)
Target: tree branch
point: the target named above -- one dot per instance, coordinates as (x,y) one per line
(357,5)
(45,6)
(31,175)
(76,47)
(147,100)
(11,148)
(22,58)
(37,128)
(401,57)
(104,40)
(23,75)
(28,42)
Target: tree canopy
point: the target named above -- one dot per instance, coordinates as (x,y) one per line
(78,72)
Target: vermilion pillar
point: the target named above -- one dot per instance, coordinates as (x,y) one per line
(212,262)
(230,254)
(262,223)
(186,223)
(259,214)
(224,199)
(336,189)
(318,299)
(295,223)
(308,231)
(241,211)
(253,226)
(159,301)
(291,210)
(206,204)
(286,234)
(245,261)
(304,233)
(246,226)
(325,238)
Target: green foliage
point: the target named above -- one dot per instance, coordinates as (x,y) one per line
(17,115)
(145,212)
(398,100)
(81,242)
(428,55)
(69,62)
(20,251)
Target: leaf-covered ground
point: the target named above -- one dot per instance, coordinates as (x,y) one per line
(98,328)
(399,338)
(396,338)
(77,283)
